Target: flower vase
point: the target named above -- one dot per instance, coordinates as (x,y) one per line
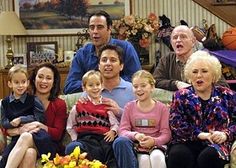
(143,53)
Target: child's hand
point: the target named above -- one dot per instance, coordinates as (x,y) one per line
(139,136)
(147,142)
(110,136)
(15,122)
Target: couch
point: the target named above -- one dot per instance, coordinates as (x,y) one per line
(162,95)
(70,99)
(158,94)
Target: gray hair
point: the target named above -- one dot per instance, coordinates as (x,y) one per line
(213,63)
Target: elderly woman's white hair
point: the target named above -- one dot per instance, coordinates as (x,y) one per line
(213,63)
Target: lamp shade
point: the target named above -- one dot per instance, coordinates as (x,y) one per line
(10,24)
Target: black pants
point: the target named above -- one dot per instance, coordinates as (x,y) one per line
(98,148)
(193,155)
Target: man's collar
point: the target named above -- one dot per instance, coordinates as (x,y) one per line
(122,84)
(110,41)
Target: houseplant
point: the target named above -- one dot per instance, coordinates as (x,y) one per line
(137,30)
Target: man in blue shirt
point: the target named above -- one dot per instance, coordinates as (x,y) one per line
(119,91)
(86,58)
(116,89)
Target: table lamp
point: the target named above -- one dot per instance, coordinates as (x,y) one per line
(10,25)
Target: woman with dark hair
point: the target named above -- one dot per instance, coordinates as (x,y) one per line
(55,90)
(45,82)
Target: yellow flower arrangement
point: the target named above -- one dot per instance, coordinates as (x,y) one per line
(136,29)
(74,160)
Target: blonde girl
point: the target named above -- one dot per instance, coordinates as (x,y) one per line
(144,127)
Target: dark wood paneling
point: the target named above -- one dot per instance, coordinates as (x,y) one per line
(224,11)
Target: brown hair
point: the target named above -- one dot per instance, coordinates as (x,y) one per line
(115,48)
(102,13)
(55,91)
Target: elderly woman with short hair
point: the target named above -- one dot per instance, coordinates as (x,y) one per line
(202,117)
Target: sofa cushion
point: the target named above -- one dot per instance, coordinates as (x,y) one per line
(71,99)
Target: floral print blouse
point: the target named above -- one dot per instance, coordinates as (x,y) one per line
(188,119)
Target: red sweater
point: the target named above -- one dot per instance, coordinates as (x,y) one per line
(56,118)
(92,118)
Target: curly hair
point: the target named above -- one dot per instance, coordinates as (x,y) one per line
(213,63)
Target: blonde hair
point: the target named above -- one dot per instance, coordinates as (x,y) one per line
(144,74)
(15,69)
(88,74)
(212,62)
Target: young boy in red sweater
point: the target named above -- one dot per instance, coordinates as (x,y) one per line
(91,126)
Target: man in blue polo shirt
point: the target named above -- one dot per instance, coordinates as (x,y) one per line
(86,58)
(116,89)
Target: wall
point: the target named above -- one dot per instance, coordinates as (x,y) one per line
(174,9)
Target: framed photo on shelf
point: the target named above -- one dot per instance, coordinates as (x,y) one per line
(63,17)
(18,60)
(40,52)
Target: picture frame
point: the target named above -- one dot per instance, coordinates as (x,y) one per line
(68,56)
(18,60)
(40,52)
(48,17)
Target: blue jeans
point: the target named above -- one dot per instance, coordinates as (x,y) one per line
(71,146)
(124,153)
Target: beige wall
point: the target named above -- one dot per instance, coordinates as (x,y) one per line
(174,9)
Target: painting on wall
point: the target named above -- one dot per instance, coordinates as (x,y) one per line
(64,17)
(40,52)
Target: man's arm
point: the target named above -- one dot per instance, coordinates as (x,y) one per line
(74,77)
(161,75)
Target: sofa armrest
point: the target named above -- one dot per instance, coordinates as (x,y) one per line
(164,96)
(71,99)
